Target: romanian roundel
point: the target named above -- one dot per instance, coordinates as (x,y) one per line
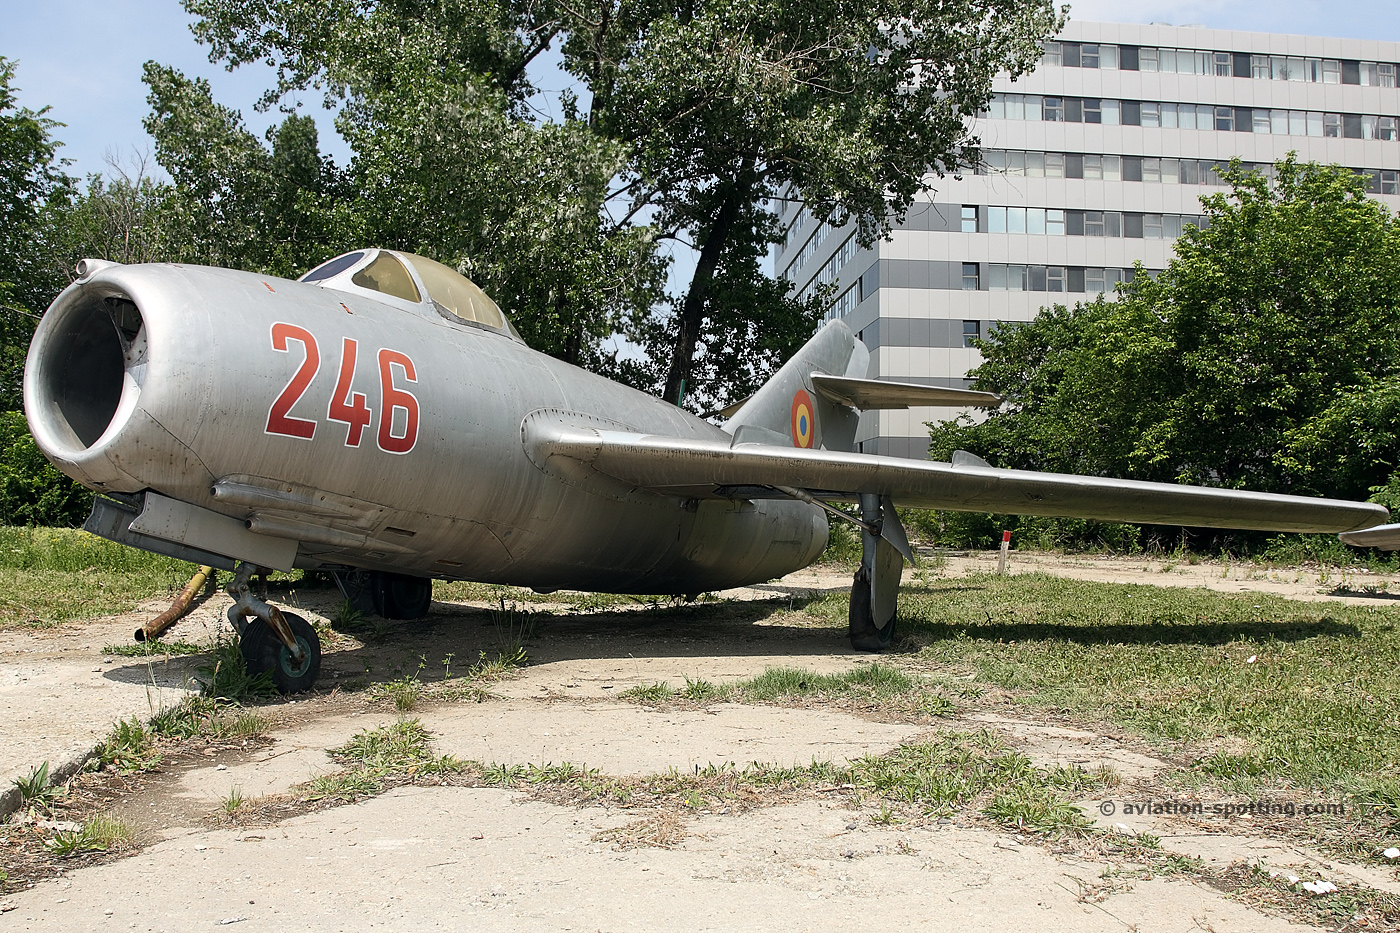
(804,429)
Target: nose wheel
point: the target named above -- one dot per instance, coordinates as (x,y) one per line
(280,644)
(263,651)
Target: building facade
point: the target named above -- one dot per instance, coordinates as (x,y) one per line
(1092,163)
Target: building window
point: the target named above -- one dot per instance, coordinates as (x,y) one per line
(969,218)
(1093,223)
(1225,118)
(1259,66)
(1332,125)
(1263,122)
(1386,128)
(972,330)
(1055,164)
(1088,56)
(1224,65)
(1093,112)
(1055,223)
(1051,54)
(1054,278)
(971,277)
(1054,109)
(1390,182)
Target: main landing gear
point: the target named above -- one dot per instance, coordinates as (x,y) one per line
(282,644)
(875,590)
(389,595)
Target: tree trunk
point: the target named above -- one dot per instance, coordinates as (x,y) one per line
(693,310)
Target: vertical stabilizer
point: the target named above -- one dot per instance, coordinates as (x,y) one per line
(789,411)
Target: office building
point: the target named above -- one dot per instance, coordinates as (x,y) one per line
(1092,163)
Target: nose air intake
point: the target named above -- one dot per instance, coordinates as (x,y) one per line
(91,357)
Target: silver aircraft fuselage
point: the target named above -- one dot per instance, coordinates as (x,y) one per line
(376,434)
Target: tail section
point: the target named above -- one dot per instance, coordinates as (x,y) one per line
(789,410)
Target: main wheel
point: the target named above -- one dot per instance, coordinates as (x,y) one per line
(864,634)
(264,651)
(404,597)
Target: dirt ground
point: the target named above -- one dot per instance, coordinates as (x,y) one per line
(427,857)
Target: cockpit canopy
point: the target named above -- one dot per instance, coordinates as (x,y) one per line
(408,278)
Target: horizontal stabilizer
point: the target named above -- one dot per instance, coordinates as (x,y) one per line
(695,468)
(1385,537)
(868,394)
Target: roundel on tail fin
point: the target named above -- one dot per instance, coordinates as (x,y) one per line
(804,429)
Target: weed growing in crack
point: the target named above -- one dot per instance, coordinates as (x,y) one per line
(649,693)
(34,789)
(129,747)
(514,629)
(98,833)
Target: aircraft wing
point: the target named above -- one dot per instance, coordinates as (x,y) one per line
(712,468)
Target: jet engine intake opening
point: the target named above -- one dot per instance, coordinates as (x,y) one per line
(85,362)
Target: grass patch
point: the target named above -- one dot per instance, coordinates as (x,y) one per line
(920,780)
(98,833)
(375,758)
(405,692)
(873,681)
(141,649)
(53,575)
(206,717)
(1350,907)
(1302,693)
(649,693)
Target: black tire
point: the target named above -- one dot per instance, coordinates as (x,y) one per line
(264,651)
(864,635)
(404,597)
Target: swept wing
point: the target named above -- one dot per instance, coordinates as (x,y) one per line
(708,468)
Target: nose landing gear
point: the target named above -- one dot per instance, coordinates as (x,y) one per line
(282,644)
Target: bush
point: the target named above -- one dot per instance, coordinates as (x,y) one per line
(32,491)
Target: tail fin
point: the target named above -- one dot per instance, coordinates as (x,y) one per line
(788,409)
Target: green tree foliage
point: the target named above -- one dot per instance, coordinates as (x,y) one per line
(32,186)
(1267,354)
(696,115)
(236,202)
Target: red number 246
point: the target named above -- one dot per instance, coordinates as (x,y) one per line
(347,406)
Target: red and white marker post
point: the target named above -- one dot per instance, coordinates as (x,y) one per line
(1005,546)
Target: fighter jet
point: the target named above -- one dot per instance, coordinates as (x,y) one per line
(380,419)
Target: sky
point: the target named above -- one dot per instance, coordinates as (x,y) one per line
(82,58)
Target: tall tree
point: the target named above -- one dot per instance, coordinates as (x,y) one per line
(236,202)
(1266,355)
(33,186)
(853,106)
(702,112)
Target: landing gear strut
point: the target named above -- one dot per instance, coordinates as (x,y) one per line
(875,590)
(281,644)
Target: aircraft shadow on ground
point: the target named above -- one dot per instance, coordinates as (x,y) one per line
(385,651)
(1144,634)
